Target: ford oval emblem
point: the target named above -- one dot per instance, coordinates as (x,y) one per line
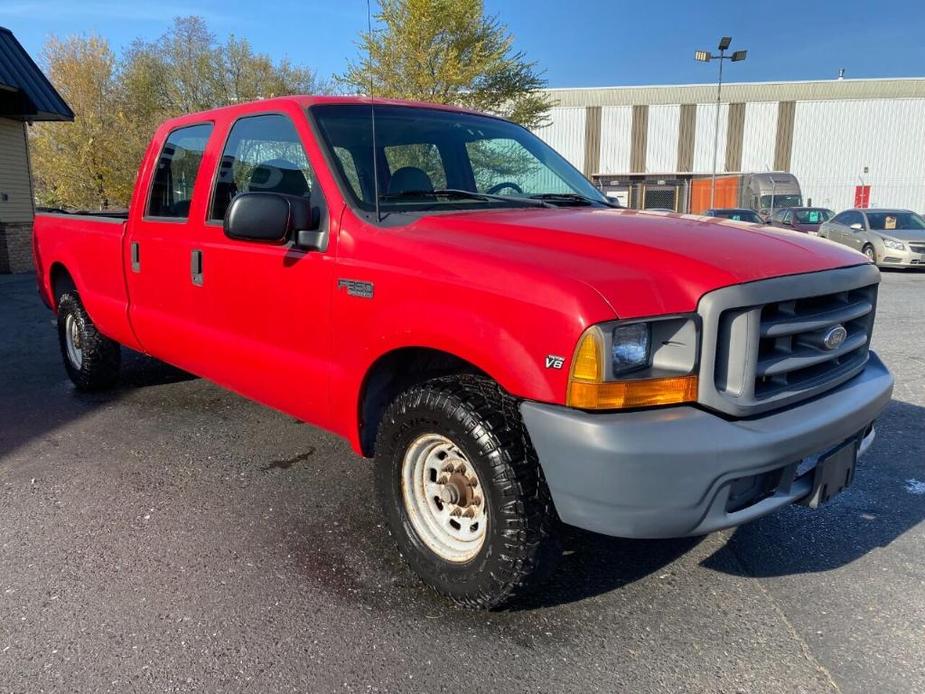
(835,337)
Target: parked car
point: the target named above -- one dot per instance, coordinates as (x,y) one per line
(736,214)
(467,309)
(805,219)
(889,237)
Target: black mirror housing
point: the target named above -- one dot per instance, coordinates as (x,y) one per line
(269,217)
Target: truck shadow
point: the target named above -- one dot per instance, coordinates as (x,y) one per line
(141,371)
(36,397)
(886,500)
(591,564)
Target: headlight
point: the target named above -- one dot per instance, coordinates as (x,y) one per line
(629,349)
(894,244)
(635,364)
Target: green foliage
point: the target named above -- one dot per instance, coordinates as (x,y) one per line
(448,52)
(119,102)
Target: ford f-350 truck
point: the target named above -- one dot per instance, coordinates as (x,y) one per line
(450,295)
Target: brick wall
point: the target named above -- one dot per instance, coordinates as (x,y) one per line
(15,248)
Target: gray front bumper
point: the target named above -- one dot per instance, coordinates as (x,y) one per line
(668,472)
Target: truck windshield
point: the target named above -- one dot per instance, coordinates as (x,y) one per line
(434,159)
(780,201)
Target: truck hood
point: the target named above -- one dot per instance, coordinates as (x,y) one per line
(641,263)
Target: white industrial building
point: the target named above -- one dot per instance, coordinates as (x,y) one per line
(835,136)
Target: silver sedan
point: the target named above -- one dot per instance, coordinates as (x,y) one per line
(890,238)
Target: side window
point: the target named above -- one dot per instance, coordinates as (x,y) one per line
(263,154)
(840,218)
(425,157)
(175,174)
(853,218)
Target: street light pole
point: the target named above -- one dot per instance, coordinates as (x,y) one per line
(719,92)
(706,57)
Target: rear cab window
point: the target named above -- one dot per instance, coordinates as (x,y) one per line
(176,171)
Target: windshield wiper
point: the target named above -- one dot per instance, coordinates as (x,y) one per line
(573,198)
(459,193)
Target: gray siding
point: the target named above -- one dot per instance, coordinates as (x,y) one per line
(16,206)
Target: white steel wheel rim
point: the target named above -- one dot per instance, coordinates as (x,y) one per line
(443,498)
(72,341)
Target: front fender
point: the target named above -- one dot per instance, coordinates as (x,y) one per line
(512,352)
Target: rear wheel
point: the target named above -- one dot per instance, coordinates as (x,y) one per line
(90,358)
(462,490)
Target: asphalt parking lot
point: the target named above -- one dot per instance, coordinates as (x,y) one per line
(172,536)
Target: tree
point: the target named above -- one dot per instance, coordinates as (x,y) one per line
(449,52)
(76,165)
(118,103)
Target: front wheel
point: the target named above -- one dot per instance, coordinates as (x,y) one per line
(462,490)
(868,250)
(91,359)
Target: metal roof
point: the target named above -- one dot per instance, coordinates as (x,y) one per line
(25,93)
(736,92)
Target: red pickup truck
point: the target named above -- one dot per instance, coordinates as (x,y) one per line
(448,293)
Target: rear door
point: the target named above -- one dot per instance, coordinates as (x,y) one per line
(163,308)
(264,309)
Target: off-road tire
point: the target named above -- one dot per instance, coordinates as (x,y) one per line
(100,356)
(485,423)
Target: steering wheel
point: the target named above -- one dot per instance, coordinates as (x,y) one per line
(495,189)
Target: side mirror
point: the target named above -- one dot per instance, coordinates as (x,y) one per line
(273,218)
(857,226)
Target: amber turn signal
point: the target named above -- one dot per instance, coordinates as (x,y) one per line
(623,394)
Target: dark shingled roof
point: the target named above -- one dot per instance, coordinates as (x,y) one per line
(25,93)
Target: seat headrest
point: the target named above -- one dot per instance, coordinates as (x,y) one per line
(409,178)
(278,176)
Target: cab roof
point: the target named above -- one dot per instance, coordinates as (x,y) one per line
(305,100)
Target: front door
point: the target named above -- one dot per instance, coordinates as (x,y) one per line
(264,308)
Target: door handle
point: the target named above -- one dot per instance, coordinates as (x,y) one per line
(195,267)
(136,257)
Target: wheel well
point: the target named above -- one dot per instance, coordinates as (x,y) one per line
(395,372)
(61,281)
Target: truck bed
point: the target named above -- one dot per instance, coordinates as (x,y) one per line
(90,247)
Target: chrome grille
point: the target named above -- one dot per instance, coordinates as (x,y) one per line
(791,348)
(764,342)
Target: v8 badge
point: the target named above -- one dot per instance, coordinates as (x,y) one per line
(554,361)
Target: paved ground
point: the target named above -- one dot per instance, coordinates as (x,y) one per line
(174,537)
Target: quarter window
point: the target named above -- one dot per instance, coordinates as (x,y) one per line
(176,171)
(263,154)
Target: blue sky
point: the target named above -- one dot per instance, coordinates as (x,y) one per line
(577,43)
